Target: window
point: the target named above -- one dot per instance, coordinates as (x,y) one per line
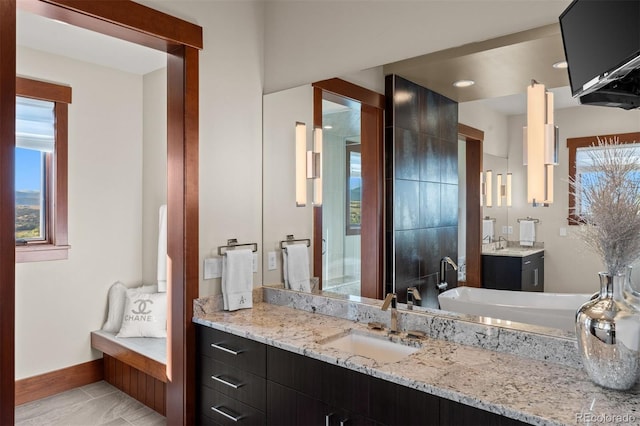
(41,170)
(581,152)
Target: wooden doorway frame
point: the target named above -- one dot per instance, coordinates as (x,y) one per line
(474,139)
(181,41)
(372,231)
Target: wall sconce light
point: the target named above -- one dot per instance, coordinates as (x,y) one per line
(485,188)
(301,153)
(540,145)
(308,165)
(508,189)
(503,190)
(317,178)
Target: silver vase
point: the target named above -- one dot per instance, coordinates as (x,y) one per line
(608,332)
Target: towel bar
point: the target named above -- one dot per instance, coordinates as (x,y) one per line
(233,243)
(529,218)
(290,240)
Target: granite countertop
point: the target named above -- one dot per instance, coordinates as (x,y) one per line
(512,251)
(536,392)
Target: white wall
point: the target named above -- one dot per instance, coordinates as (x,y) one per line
(231,76)
(154,168)
(58,303)
(569,266)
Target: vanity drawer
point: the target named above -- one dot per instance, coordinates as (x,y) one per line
(237,384)
(242,353)
(217,408)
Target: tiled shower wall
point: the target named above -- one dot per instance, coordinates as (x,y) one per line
(421,150)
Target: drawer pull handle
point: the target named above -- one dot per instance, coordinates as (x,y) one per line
(227,350)
(344,422)
(227,415)
(527,262)
(225,382)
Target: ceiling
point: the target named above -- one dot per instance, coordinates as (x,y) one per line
(501,68)
(59,38)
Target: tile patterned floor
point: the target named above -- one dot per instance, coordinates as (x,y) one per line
(95,404)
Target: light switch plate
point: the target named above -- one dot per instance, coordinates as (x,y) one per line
(271,261)
(509,230)
(505,229)
(563,231)
(212,268)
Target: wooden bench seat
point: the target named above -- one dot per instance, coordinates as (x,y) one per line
(135,365)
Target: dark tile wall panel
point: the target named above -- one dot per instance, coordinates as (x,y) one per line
(421,165)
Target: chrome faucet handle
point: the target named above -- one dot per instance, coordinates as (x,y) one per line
(412,295)
(389,300)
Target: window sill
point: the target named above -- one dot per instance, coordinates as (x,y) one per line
(41,253)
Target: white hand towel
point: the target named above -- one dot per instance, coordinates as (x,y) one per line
(527,233)
(487,231)
(162,249)
(295,267)
(237,279)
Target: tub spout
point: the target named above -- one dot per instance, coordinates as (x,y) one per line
(442,285)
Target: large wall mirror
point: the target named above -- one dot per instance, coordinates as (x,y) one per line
(496,104)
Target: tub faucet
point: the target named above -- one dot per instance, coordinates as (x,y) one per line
(442,285)
(391,300)
(412,295)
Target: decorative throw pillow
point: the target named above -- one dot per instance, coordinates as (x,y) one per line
(117,296)
(145,315)
(116,299)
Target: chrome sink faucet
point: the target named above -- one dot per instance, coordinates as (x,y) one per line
(442,285)
(391,300)
(412,295)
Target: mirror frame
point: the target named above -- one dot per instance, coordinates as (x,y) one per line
(181,40)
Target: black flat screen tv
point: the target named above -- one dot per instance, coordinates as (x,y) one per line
(601,42)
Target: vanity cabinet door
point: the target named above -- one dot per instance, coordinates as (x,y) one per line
(533,272)
(501,272)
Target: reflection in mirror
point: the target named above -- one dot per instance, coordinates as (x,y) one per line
(342,190)
(495,217)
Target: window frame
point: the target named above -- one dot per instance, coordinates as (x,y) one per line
(583,142)
(56,244)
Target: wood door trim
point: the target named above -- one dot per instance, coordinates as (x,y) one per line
(133,22)
(474,141)
(7,213)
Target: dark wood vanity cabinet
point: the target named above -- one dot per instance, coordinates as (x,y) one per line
(231,379)
(513,273)
(278,387)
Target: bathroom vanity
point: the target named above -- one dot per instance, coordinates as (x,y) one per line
(513,269)
(276,364)
(243,381)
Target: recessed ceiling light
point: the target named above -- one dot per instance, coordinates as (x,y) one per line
(560,65)
(463,83)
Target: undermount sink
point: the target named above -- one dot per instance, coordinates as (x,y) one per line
(376,347)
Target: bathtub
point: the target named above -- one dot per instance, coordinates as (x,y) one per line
(555,310)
